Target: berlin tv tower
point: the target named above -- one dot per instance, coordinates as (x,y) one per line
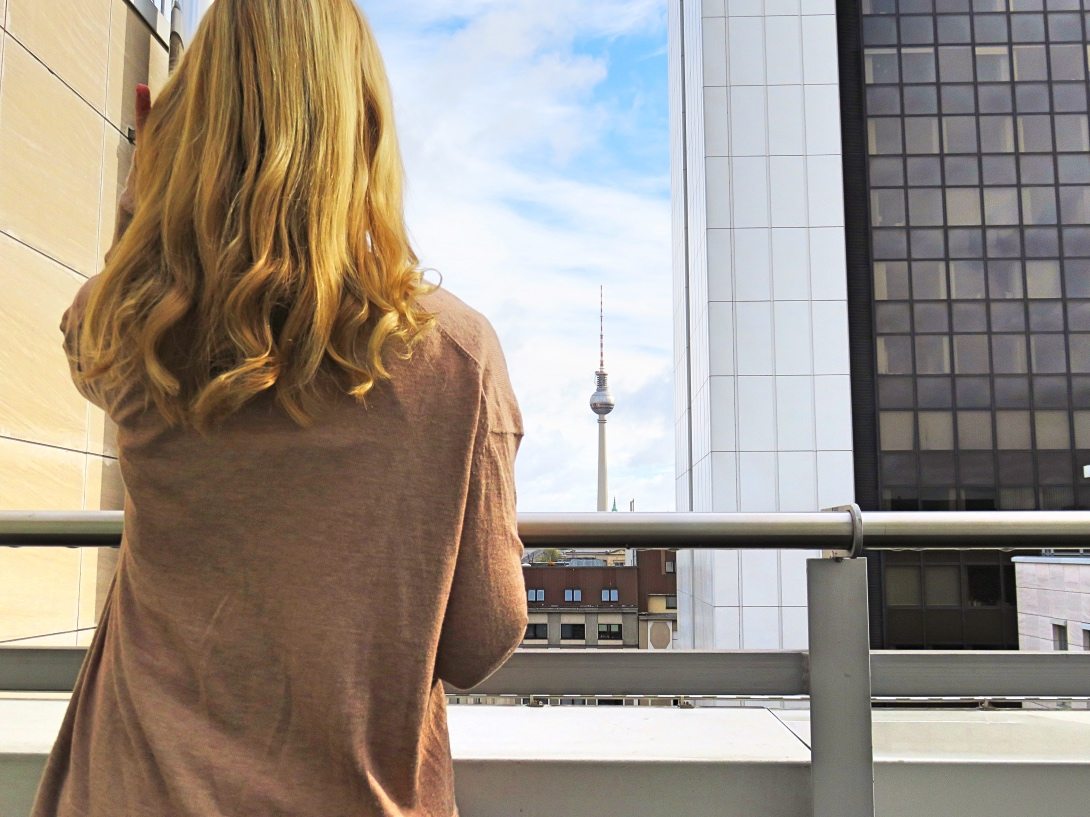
(601,403)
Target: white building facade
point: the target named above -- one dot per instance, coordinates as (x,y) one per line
(1053,602)
(192,12)
(763,392)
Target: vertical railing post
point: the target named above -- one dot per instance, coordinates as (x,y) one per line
(841,752)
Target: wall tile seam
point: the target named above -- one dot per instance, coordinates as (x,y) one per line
(57,447)
(703,457)
(804,85)
(766,16)
(83,494)
(769,606)
(776,471)
(86,445)
(738,483)
(704,157)
(810,264)
(695,239)
(61,80)
(83,553)
(779,300)
(770,156)
(680,79)
(780,451)
(100,251)
(45,255)
(102,164)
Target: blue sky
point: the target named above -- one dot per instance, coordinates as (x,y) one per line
(535,137)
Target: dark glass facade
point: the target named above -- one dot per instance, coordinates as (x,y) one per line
(972,133)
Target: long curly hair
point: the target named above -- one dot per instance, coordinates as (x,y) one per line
(268,231)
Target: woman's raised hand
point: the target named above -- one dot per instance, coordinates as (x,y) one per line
(143,107)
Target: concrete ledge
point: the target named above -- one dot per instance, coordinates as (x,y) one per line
(722,761)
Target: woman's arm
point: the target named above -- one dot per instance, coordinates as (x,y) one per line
(486,613)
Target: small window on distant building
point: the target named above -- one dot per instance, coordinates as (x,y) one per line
(578,594)
(537,630)
(669,565)
(1059,636)
(609,594)
(671,602)
(1086,640)
(573,594)
(535,594)
(609,632)
(903,585)
(576,631)
(942,585)
(984,585)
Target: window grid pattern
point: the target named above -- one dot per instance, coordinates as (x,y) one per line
(609,632)
(978,145)
(950,600)
(537,630)
(573,631)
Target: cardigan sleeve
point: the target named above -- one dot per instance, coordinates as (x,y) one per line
(486,614)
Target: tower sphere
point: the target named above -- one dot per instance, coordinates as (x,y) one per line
(601,402)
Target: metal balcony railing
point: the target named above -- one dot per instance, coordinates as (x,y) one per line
(839,673)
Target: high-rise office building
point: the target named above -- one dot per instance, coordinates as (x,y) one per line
(882,269)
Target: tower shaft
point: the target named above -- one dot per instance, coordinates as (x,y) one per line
(602,478)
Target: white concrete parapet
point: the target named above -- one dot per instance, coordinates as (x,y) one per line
(726,762)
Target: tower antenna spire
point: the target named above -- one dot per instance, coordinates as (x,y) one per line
(601,330)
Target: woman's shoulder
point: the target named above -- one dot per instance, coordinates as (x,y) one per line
(468,330)
(474,337)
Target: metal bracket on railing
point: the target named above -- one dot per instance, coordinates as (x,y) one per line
(856,549)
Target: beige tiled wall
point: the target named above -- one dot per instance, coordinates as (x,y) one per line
(67,72)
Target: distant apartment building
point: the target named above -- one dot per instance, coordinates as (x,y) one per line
(621,606)
(68,69)
(882,292)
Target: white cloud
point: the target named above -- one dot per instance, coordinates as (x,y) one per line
(499,106)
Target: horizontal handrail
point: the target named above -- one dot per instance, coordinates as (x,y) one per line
(766,673)
(819,530)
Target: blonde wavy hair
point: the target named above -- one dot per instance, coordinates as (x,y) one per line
(268,231)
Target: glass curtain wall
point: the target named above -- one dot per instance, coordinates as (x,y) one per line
(979,184)
(977,188)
